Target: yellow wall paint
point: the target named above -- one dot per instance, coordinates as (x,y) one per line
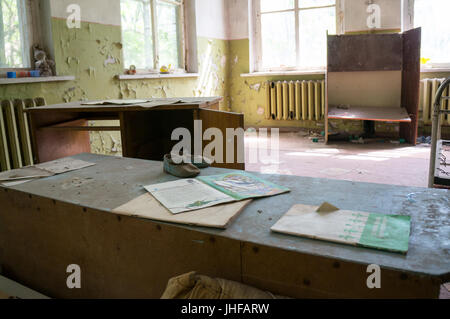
(244,95)
(83,52)
(248,95)
(93,54)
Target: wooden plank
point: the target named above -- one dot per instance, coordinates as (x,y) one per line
(50,223)
(365,52)
(146,206)
(429,222)
(83,128)
(411,83)
(384,114)
(191,103)
(119,256)
(49,145)
(72,125)
(327,107)
(223,121)
(298,275)
(375,88)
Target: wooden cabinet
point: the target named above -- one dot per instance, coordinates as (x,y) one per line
(62,130)
(375,77)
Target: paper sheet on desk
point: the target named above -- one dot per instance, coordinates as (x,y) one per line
(18,174)
(115,102)
(64,165)
(186,195)
(147,103)
(29,173)
(379,231)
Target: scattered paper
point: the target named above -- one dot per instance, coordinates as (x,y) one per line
(386,232)
(115,102)
(25,174)
(146,103)
(29,172)
(186,195)
(63,165)
(14,183)
(242,185)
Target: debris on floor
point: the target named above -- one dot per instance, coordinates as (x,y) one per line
(424,140)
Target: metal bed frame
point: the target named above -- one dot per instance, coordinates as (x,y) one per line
(436,130)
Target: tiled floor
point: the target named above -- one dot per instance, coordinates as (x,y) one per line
(376,162)
(384,163)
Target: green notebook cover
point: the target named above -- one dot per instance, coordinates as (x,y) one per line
(241,185)
(370,230)
(387,232)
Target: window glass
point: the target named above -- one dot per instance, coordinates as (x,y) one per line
(276,5)
(168,34)
(137,33)
(315,3)
(13,45)
(314,24)
(278,39)
(433,17)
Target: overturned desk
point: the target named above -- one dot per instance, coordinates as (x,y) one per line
(62,129)
(48,224)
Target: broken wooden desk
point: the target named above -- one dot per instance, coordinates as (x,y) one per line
(48,224)
(63,129)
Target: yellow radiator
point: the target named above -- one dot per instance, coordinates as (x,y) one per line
(15,140)
(428,88)
(295,100)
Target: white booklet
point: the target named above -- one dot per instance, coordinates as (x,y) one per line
(187,194)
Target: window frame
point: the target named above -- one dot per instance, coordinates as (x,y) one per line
(155,49)
(256,36)
(32,32)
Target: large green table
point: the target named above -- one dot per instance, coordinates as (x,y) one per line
(48,224)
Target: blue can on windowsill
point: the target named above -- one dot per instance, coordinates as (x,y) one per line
(35,73)
(11,75)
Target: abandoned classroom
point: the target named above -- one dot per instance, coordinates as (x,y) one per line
(244,149)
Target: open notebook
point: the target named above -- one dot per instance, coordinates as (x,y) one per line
(191,194)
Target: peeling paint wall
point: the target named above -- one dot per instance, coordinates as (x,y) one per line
(93,54)
(248,94)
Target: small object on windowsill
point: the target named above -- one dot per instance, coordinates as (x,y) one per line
(4,80)
(131,70)
(42,63)
(165,70)
(23,74)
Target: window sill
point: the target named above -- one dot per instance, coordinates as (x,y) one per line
(322,72)
(434,70)
(156,76)
(37,79)
(283,73)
